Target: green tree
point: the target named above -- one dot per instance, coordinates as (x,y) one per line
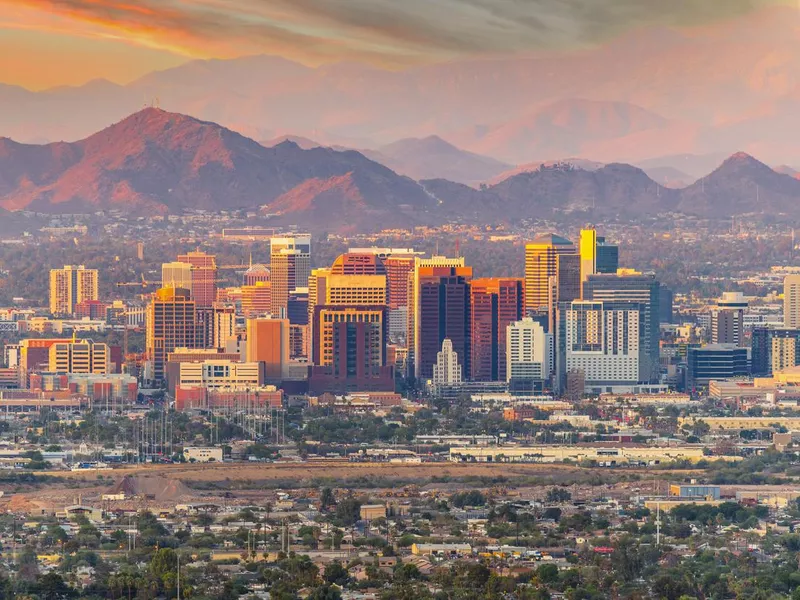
(335,573)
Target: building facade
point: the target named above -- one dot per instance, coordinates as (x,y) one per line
(529,353)
(447,370)
(791,302)
(70,286)
(268,343)
(603,341)
(494,305)
(204,277)
(80,357)
(441,310)
(171,323)
(541,266)
(727,319)
(640,289)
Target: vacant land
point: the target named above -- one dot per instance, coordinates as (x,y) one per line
(309,474)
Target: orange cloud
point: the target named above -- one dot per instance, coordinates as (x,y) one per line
(385,32)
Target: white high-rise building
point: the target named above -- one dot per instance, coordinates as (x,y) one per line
(791,302)
(529,351)
(603,341)
(446,370)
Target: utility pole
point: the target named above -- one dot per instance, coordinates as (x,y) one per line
(658,523)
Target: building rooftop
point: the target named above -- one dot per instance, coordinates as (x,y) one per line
(551,239)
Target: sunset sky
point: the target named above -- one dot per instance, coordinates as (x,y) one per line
(46,43)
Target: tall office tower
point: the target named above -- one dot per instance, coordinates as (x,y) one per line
(643,290)
(727,319)
(344,290)
(358,263)
(255,274)
(268,343)
(791,302)
(541,265)
(219,325)
(326,317)
(297,313)
(171,323)
(70,286)
(567,282)
(284,265)
(665,305)
(441,310)
(204,277)
(176,275)
(529,355)
(81,357)
(597,255)
(399,264)
(443,266)
(398,269)
(317,294)
(257,299)
(587,247)
(447,369)
(603,341)
(494,305)
(607,257)
(353,355)
(773,350)
(290,266)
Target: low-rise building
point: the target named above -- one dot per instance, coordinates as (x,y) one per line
(202,454)
(608,455)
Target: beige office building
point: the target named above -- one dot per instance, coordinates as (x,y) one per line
(791,302)
(80,357)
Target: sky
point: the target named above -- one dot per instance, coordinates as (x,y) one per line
(49,43)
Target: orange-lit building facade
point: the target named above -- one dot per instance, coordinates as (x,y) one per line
(204,277)
(257,299)
(494,304)
(268,343)
(171,323)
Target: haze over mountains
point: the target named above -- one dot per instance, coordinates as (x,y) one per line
(155,162)
(650,94)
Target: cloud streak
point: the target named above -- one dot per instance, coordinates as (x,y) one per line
(387,32)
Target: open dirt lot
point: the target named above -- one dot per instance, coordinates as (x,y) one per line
(162,486)
(195,475)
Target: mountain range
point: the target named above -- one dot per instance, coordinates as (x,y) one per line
(427,158)
(650,94)
(156,162)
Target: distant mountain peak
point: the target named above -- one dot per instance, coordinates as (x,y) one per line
(155,161)
(743,161)
(742,157)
